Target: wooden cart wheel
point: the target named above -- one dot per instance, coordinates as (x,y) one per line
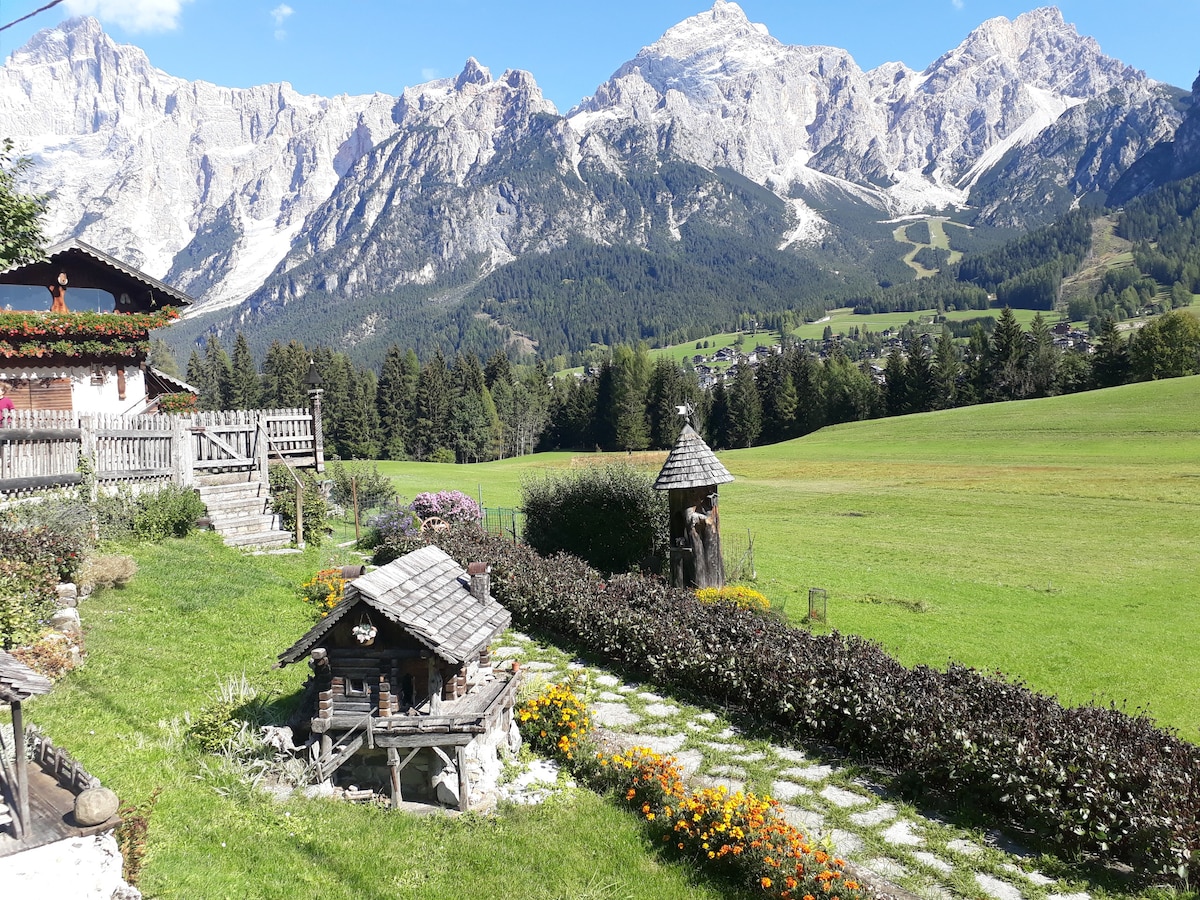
(435,524)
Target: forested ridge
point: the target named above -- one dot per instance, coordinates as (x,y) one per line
(429,398)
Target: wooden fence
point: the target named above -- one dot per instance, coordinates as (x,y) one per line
(42,449)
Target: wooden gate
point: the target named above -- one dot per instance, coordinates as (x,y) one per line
(225,440)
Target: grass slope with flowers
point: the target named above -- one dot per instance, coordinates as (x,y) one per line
(1052,540)
(199,614)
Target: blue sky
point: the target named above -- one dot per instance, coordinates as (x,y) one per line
(359,46)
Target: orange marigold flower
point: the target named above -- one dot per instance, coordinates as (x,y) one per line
(765,882)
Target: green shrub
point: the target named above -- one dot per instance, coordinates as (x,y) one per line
(283,501)
(170,511)
(27,600)
(610,516)
(442,455)
(1087,781)
(55,532)
(373,489)
(153,515)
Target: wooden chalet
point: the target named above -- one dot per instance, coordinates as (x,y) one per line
(402,679)
(690,476)
(74,332)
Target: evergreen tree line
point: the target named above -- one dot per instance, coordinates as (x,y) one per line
(465,412)
(631,402)
(438,411)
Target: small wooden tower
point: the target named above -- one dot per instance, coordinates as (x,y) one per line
(690,476)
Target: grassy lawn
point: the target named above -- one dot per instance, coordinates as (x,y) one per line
(843,319)
(198,614)
(1053,540)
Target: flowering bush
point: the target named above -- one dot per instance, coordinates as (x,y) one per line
(392,534)
(740,596)
(453,506)
(555,722)
(740,836)
(180,402)
(78,333)
(324,591)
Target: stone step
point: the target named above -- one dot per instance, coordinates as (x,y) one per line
(251,489)
(259,539)
(236,507)
(247,525)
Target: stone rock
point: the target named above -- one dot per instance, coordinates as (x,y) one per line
(68,595)
(96,806)
(67,621)
(446,784)
(278,737)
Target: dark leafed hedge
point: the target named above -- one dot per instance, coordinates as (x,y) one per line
(1087,780)
(609,515)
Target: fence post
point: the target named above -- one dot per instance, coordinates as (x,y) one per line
(183,457)
(260,447)
(88,458)
(314,397)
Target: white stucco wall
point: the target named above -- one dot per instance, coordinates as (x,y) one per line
(77,868)
(87,397)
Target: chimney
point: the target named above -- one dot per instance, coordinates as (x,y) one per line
(481,579)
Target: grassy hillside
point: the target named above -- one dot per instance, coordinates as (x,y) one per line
(1053,539)
(198,615)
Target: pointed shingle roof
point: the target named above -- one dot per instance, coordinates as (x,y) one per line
(691,464)
(19,682)
(428,595)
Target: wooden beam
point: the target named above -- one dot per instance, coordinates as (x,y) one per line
(40,434)
(22,767)
(422,740)
(464,782)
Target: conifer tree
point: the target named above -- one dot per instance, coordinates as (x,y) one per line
(1042,361)
(434,399)
(244,386)
(946,369)
(919,374)
(745,409)
(395,400)
(1110,365)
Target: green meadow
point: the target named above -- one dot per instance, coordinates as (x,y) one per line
(843,319)
(1052,540)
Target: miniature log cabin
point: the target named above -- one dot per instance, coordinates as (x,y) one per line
(402,680)
(690,476)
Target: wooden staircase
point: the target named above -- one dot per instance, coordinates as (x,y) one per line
(239,509)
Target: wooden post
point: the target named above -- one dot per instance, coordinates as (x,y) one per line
(464,783)
(394,767)
(22,768)
(299,514)
(261,448)
(314,398)
(88,452)
(354,494)
(183,453)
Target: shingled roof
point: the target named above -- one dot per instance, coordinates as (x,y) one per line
(428,595)
(19,682)
(691,464)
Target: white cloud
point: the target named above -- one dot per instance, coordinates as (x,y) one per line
(132,15)
(957,4)
(430,74)
(280,15)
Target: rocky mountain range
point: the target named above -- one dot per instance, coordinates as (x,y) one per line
(251,199)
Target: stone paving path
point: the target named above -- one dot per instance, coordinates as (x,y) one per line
(928,857)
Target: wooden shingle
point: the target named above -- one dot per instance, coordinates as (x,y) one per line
(18,682)
(691,464)
(428,595)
